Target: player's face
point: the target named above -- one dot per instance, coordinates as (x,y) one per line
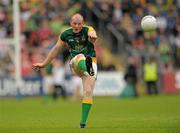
(76,25)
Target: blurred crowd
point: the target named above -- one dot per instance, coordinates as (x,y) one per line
(6,30)
(43,20)
(153,53)
(126,17)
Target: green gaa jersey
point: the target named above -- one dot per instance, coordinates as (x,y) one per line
(78,42)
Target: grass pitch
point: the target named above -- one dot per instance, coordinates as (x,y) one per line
(153,114)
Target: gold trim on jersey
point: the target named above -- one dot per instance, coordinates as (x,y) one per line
(90,28)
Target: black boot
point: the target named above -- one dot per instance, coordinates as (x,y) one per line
(82,125)
(89,66)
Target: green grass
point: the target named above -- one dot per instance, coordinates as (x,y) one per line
(153,114)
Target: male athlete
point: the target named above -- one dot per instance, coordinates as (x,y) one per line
(80,40)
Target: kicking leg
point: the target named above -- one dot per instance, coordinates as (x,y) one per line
(81,65)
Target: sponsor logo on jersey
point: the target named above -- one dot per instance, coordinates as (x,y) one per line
(71,40)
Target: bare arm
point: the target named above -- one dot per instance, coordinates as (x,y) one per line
(51,55)
(54,51)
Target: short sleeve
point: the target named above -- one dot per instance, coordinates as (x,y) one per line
(62,36)
(90,28)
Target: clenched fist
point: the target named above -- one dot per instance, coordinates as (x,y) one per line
(37,66)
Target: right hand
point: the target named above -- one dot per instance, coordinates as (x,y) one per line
(37,66)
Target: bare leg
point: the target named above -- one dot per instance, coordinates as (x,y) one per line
(88,86)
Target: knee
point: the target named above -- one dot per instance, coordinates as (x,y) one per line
(80,57)
(77,58)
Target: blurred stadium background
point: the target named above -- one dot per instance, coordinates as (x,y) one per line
(29,29)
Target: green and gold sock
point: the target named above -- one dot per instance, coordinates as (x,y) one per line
(86,106)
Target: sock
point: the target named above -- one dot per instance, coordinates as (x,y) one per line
(86,106)
(82,65)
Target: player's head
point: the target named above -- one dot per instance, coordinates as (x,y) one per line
(77,22)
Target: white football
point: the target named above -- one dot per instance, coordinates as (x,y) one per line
(149,23)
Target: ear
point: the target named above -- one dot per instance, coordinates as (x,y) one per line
(83,22)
